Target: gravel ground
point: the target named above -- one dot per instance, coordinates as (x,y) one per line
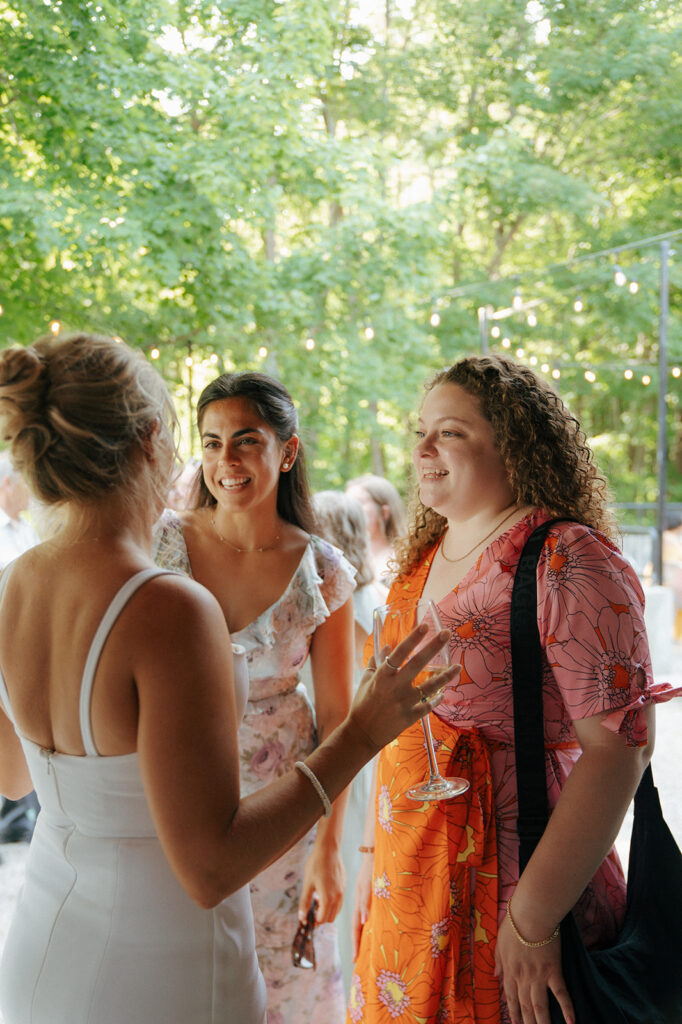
(666,766)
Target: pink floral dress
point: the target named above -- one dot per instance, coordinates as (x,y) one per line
(278,729)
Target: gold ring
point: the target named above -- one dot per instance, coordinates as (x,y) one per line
(396,668)
(422,697)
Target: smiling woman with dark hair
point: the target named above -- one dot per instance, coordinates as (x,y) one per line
(284,593)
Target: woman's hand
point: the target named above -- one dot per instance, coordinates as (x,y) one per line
(324,877)
(363,895)
(386,701)
(526,974)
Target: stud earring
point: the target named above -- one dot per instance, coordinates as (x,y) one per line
(285,465)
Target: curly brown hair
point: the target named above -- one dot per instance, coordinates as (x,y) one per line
(545,452)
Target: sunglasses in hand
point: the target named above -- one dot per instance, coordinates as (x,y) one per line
(302,948)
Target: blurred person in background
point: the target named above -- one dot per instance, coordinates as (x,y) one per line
(17,817)
(340,520)
(385,516)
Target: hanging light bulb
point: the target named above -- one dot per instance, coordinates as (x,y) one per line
(646,380)
(506,343)
(532,320)
(533,360)
(310,344)
(369,333)
(619,276)
(633,287)
(434,319)
(517,301)
(495,331)
(155,353)
(55,326)
(676,371)
(578,305)
(189,361)
(213,358)
(520,353)
(556,374)
(590,376)
(628,374)
(545,367)
(262,352)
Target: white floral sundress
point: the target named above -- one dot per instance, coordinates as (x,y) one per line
(278,729)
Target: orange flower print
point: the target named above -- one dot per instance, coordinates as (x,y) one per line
(392,993)
(356,1000)
(440,937)
(382,887)
(385,809)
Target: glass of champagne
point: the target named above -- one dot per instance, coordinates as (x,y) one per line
(392,623)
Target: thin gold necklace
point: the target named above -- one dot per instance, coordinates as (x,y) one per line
(243,551)
(514,509)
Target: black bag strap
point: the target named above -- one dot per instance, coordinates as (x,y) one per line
(526,650)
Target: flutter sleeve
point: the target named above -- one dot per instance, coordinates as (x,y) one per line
(168,543)
(591,622)
(336,574)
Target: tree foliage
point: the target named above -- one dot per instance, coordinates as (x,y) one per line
(342,186)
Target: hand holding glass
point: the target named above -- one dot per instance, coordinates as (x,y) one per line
(392,624)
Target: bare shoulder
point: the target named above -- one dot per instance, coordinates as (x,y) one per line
(174,606)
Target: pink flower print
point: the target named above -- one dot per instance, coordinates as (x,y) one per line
(392,993)
(267,759)
(440,937)
(382,887)
(356,1000)
(385,810)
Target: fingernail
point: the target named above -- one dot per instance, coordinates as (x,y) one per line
(444,634)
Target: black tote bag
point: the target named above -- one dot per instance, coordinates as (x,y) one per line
(637,980)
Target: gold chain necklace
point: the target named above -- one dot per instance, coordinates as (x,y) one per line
(482,541)
(243,551)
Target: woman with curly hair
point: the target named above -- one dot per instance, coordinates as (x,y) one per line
(447,929)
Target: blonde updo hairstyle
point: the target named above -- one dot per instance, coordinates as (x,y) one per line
(80,412)
(548,461)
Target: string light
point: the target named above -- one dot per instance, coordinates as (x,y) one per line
(532,320)
(533,360)
(1,311)
(646,379)
(590,376)
(434,319)
(506,343)
(556,374)
(520,353)
(628,374)
(155,353)
(517,301)
(214,358)
(619,276)
(262,352)
(676,371)
(495,331)
(369,333)
(633,287)
(310,344)
(118,340)
(189,361)
(545,367)
(55,326)
(578,305)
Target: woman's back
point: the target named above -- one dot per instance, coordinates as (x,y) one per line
(104,932)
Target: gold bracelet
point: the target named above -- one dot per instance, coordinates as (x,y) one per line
(365,849)
(525,942)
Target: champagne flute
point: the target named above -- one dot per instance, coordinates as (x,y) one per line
(392,623)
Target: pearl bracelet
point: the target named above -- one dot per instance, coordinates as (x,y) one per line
(525,942)
(319,788)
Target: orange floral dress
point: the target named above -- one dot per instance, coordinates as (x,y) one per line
(443,871)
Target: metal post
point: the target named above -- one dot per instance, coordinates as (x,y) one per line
(483,327)
(662,443)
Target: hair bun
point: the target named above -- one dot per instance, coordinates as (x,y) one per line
(23,387)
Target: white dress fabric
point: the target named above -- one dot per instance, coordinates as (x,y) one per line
(103,932)
(278,729)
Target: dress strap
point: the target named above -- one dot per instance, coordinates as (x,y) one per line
(112,613)
(4,696)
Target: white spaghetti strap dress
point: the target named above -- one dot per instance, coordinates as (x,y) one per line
(103,932)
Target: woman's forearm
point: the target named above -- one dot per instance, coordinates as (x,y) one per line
(579,835)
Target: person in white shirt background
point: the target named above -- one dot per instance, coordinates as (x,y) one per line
(17,817)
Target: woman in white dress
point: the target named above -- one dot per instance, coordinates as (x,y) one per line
(285,593)
(118,704)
